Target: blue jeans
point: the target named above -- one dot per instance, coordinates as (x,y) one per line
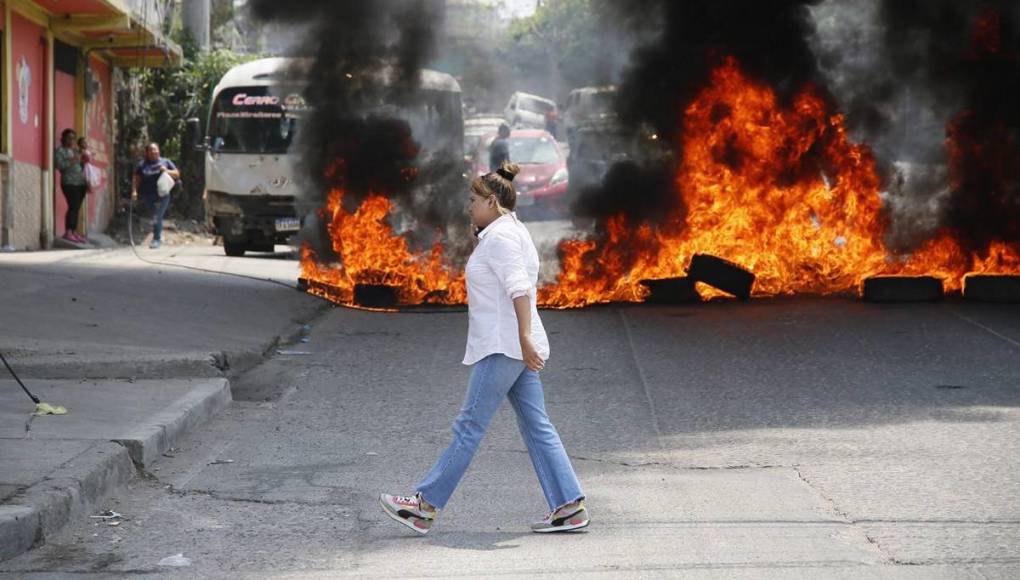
(492,378)
(157,206)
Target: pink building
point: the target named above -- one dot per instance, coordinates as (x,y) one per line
(58,63)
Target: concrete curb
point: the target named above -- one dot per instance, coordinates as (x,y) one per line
(196,366)
(70,492)
(148,443)
(79,486)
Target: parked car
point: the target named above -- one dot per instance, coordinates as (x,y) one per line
(476,127)
(542,183)
(586,106)
(524,111)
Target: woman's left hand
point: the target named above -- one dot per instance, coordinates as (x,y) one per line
(531,358)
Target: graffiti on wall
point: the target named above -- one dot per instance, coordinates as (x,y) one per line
(24,76)
(99,129)
(97,118)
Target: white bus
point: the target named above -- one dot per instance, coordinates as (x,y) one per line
(253,196)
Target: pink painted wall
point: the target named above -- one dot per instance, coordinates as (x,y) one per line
(28,103)
(63,106)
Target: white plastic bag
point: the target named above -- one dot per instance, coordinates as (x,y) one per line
(93,177)
(164,184)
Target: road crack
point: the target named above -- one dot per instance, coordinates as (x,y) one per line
(233,498)
(837,511)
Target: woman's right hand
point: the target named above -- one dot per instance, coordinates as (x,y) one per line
(531,358)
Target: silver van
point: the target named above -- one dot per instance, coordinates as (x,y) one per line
(529,111)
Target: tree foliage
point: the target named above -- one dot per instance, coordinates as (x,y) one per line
(563,45)
(154,105)
(173,95)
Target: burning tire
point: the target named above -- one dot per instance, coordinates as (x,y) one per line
(902,289)
(375,295)
(991,288)
(721,274)
(671,291)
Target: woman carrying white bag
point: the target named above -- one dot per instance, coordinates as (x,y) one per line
(154,178)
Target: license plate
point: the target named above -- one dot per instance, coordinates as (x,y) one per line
(288,224)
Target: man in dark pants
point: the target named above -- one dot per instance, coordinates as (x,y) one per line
(499,150)
(145,183)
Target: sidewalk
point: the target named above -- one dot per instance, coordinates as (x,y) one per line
(138,353)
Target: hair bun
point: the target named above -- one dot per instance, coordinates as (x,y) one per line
(509,171)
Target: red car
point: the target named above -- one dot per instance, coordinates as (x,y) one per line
(542,183)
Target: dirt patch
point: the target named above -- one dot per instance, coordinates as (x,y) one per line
(176,231)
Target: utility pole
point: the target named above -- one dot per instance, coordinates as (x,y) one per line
(196,21)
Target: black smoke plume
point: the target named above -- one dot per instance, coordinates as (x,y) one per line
(768,39)
(694,37)
(362,62)
(984,136)
(931,86)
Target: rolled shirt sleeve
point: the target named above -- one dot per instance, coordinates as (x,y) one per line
(504,266)
(506,259)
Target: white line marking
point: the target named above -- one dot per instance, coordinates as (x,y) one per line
(641,375)
(982,326)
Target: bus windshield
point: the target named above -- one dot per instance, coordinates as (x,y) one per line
(258,119)
(254,120)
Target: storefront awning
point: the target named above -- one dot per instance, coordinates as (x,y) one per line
(127,31)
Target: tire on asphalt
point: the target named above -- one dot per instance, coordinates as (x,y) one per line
(671,291)
(1004,289)
(722,274)
(375,295)
(234,249)
(902,289)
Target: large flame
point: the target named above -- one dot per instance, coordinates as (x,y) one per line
(779,189)
(371,253)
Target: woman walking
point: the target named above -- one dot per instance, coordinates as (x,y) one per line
(146,183)
(67,158)
(507,347)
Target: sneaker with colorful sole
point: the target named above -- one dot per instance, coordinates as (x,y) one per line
(408,511)
(572,516)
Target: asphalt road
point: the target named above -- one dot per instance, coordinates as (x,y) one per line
(808,438)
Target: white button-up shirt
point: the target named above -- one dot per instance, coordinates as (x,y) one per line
(503,266)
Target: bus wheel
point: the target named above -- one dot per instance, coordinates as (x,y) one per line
(235,249)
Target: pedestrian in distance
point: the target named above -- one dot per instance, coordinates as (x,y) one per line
(146,184)
(499,149)
(507,348)
(67,159)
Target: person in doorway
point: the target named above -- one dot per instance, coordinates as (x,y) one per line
(146,184)
(507,348)
(499,149)
(67,159)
